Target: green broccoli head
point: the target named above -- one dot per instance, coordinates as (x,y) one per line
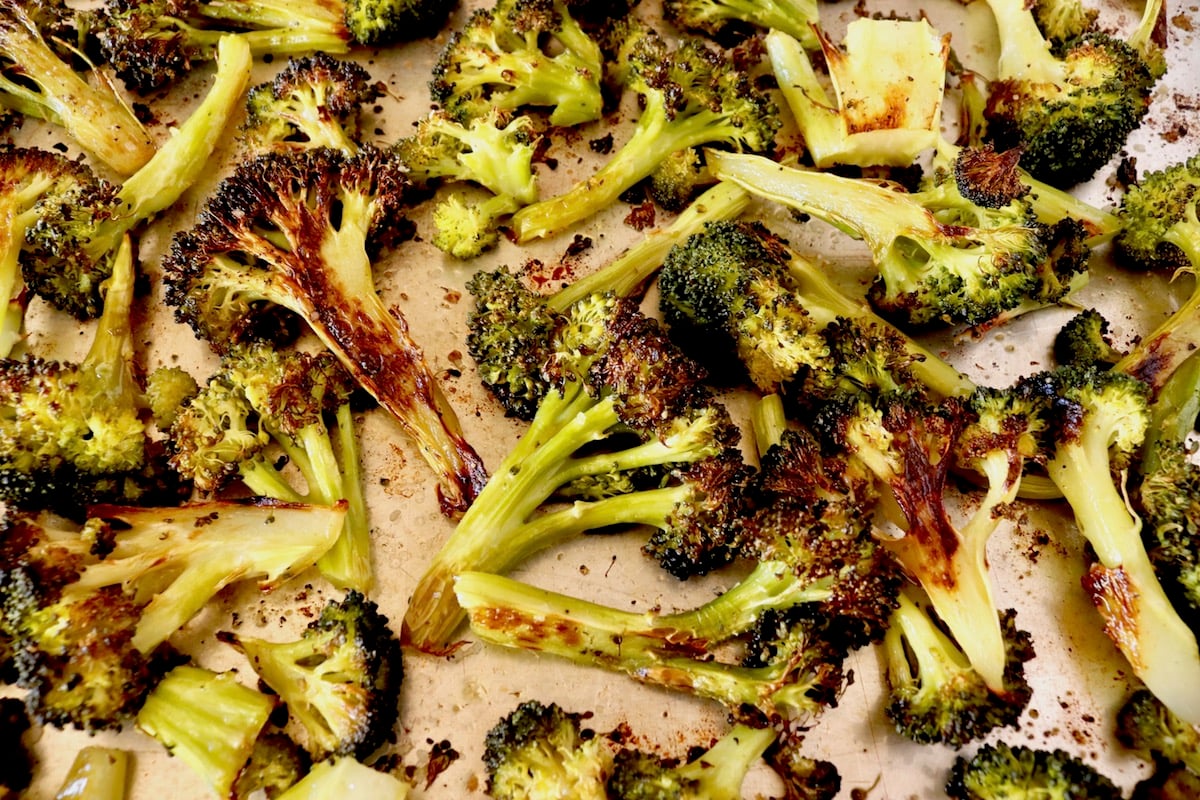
(1085,340)
(539,750)
(341,679)
(1148,727)
(386,22)
(1160,229)
(1001,770)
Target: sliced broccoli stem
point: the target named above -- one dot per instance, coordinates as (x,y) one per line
(655,133)
(1139,617)
(108,365)
(348,563)
(97,773)
(304,15)
(816,114)
(96,119)
(720,772)
(768,421)
(1173,414)
(626,275)
(1024,53)
(912,637)
(1141,39)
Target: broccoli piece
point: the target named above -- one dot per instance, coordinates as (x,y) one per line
(70,250)
(168,389)
(803,778)
(941,257)
(264,401)
(32,176)
(739,300)
(346,777)
(1167,490)
(17,773)
(539,750)
(792,672)
(1085,341)
(1097,421)
(888,79)
(623,401)
(715,774)
(315,101)
(341,679)
(1069,108)
(297,231)
(1061,21)
(494,151)
(275,765)
(36,82)
(727,19)
(516,55)
(934,694)
(1001,771)
(209,720)
(97,773)
(677,178)
(1147,727)
(689,96)
(1169,782)
(153,43)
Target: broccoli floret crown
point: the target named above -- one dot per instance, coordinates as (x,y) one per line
(541,750)
(1085,340)
(1001,770)
(385,22)
(1150,729)
(1159,216)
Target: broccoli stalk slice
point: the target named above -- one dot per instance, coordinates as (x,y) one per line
(716,774)
(345,777)
(97,773)
(513,614)
(174,560)
(1157,355)
(95,118)
(1139,618)
(207,719)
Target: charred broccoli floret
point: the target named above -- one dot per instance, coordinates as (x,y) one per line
(37,82)
(520,54)
(208,720)
(315,101)
(941,257)
(689,96)
(264,402)
(341,679)
(17,773)
(1000,770)
(629,429)
(297,231)
(1085,341)
(677,179)
(540,750)
(715,774)
(1071,107)
(1147,727)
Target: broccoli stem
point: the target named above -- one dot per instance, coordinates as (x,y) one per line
(656,132)
(626,275)
(1024,53)
(912,637)
(108,365)
(768,421)
(1173,414)
(322,17)
(1139,618)
(348,563)
(97,773)
(96,119)
(720,772)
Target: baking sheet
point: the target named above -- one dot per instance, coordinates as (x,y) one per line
(449,703)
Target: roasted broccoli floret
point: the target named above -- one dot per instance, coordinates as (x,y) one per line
(540,750)
(738,299)
(888,80)
(1060,21)
(629,429)
(208,720)
(1097,421)
(168,389)
(1085,341)
(345,777)
(70,249)
(17,773)
(152,43)
(1169,782)
(341,679)
(677,179)
(689,96)
(516,55)
(999,771)
(296,231)
(934,694)
(315,101)
(264,403)
(1147,727)
(726,19)
(941,257)
(804,778)
(97,773)
(1071,107)
(275,765)
(494,151)
(37,82)
(715,774)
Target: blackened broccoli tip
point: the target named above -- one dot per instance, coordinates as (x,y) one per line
(1160,230)
(297,231)
(804,777)
(1001,770)
(314,101)
(940,258)
(1086,339)
(17,773)
(934,694)
(1070,108)
(543,750)
(725,19)
(987,178)
(209,720)
(1148,728)
(620,400)
(92,114)
(341,679)
(520,54)
(690,95)
(385,22)
(715,774)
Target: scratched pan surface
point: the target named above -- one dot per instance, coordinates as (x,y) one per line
(449,703)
